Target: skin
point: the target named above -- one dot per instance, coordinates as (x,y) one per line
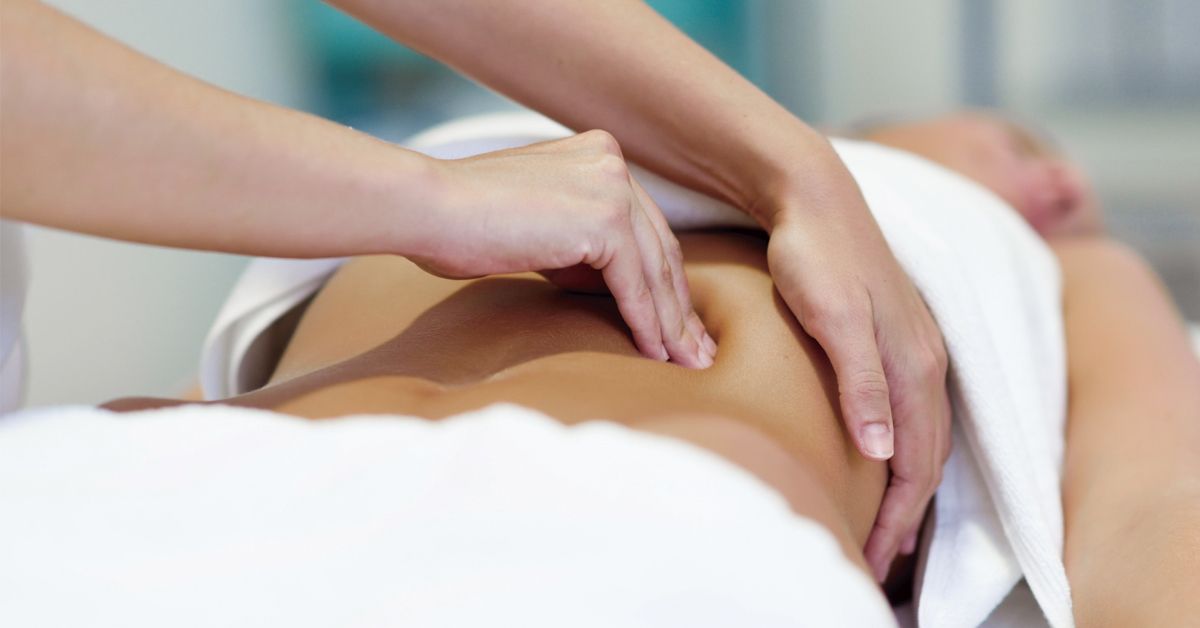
(382,337)
(101,140)
(1131,485)
(1046,188)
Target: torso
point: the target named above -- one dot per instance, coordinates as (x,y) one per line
(383,336)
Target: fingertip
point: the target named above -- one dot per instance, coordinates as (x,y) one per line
(703,356)
(649,342)
(688,349)
(871,554)
(880,569)
(692,355)
(703,339)
(704,359)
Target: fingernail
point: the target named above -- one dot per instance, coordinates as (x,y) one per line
(705,359)
(877,440)
(710,345)
(910,545)
(662,353)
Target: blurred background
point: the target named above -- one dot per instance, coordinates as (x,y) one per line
(1117,82)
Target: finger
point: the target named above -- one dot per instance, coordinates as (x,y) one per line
(893,523)
(939,394)
(910,544)
(683,347)
(624,277)
(849,341)
(697,327)
(917,466)
(674,255)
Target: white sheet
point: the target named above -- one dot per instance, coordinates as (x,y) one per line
(993,287)
(216,516)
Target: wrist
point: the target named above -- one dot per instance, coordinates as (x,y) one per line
(791,175)
(812,184)
(406,205)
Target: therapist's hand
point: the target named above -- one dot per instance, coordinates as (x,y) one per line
(569,209)
(834,269)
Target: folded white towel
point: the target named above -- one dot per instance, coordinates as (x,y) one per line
(222,516)
(993,287)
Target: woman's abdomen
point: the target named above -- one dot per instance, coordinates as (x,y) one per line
(383,336)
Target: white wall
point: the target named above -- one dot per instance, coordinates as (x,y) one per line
(106,319)
(1142,153)
(882,57)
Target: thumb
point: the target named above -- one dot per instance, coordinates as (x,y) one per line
(862,385)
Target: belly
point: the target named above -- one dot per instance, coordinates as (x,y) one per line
(385,337)
(443,346)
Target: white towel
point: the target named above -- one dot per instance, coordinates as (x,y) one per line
(222,516)
(993,287)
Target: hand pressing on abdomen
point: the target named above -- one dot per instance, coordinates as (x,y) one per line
(569,209)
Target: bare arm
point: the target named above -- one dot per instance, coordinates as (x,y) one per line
(619,66)
(100,139)
(1131,490)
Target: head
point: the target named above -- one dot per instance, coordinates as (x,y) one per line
(1019,166)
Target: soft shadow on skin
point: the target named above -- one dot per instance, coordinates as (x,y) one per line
(482,329)
(750,246)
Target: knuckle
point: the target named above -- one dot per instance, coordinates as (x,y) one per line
(927,365)
(612,166)
(680,329)
(642,295)
(586,251)
(940,357)
(890,527)
(665,274)
(828,315)
(602,140)
(867,385)
(672,250)
(616,217)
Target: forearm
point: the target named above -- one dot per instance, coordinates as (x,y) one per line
(1131,488)
(99,139)
(619,66)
